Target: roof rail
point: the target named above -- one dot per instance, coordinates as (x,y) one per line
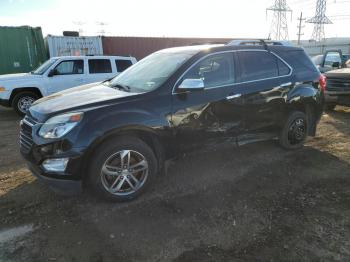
(264,42)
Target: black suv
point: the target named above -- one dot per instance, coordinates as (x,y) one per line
(114,137)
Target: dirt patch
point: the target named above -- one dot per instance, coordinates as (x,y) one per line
(256,202)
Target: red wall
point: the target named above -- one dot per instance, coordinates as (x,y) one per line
(140,47)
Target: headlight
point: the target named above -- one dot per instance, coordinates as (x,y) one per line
(2,89)
(60,125)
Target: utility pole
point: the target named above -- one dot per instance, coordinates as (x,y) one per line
(301,19)
(319,20)
(279,25)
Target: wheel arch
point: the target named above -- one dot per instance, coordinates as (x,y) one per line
(146,134)
(306,99)
(18,90)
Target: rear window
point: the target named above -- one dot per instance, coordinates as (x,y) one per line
(100,66)
(302,65)
(283,69)
(122,64)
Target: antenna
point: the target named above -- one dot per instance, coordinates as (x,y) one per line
(279,26)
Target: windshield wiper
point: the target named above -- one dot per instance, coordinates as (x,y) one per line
(122,87)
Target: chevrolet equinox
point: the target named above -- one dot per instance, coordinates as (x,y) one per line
(114,137)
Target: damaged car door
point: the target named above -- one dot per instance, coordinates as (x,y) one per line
(202,102)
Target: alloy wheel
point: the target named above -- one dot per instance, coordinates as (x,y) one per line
(24,103)
(124,172)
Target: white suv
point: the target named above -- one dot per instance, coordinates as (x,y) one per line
(57,74)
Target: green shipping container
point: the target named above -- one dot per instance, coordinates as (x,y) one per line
(22,49)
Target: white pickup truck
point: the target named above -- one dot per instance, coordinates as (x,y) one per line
(57,74)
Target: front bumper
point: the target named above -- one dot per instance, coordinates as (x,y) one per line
(61,186)
(68,182)
(5,98)
(337,98)
(35,150)
(5,102)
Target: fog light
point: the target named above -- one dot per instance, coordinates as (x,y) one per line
(55,164)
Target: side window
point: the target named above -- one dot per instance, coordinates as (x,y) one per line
(122,64)
(70,67)
(215,70)
(256,65)
(100,66)
(283,69)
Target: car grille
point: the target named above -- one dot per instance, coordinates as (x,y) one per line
(25,137)
(338,84)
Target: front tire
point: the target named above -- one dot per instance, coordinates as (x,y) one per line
(294,131)
(22,101)
(122,168)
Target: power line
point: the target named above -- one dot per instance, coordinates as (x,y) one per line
(319,20)
(279,26)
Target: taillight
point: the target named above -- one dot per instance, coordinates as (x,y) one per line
(323,82)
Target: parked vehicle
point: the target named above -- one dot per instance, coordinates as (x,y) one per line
(338,88)
(113,137)
(57,74)
(331,60)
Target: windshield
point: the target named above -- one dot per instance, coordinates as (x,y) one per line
(42,69)
(151,72)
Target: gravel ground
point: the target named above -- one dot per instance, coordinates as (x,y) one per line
(253,203)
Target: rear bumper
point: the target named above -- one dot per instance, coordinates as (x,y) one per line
(61,186)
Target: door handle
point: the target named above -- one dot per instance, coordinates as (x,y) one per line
(286,84)
(233,96)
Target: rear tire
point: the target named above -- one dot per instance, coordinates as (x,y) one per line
(22,101)
(122,168)
(294,131)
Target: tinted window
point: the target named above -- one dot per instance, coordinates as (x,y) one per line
(71,67)
(122,65)
(215,70)
(300,62)
(346,57)
(257,65)
(100,66)
(283,69)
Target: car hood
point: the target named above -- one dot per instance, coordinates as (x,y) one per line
(76,98)
(343,73)
(15,77)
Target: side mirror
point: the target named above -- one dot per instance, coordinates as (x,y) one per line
(191,85)
(336,65)
(51,73)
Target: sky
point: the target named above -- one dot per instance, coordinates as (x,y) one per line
(169,18)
